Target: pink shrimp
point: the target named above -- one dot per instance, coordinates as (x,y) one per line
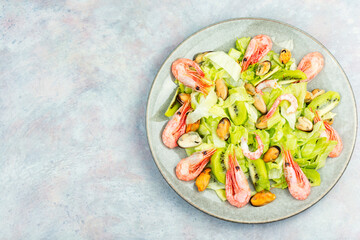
(266,84)
(258,47)
(237,187)
(189,77)
(298,184)
(288,97)
(311,65)
(189,168)
(252,155)
(331,134)
(176,126)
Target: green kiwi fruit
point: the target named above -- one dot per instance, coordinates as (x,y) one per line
(238,113)
(325,102)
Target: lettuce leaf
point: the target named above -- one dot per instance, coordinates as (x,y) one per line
(265,138)
(189,151)
(252,113)
(237,94)
(236,132)
(213,123)
(235,54)
(290,117)
(321,159)
(275,119)
(242,43)
(221,194)
(249,74)
(204,128)
(202,109)
(308,114)
(224,61)
(280,183)
(275,169)
(215,185)
(218,187)
(304,137)
(217,111)
(299,91)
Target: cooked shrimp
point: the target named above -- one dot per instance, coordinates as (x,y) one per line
(189,77)
(237,187)
(189,168)
(258,47)
(252,155)
(176,126)
(288,97)
(331,134)
(266,84)
(298,184)
(311,65)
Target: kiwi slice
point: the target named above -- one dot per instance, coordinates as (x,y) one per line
(259,175)
(289,74)
(173,106)
(220,163)
(217,164)
(325,102)
(238,112)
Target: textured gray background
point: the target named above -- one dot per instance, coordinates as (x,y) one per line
(74,80)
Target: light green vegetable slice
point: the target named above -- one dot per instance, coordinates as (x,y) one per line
(204,128)
(236,132)
(289,74)
(218,111)
(313,176)
(299,91)
(218,187)
(226,62)
(250,74)
(217,164)
(242,43)
(259,175)
(238,113)
(183,88)
(266,76)
(275,169)
(213,123)
(174,105)
(309,114)
(202,110)
(235,54)
(321,159)
(290,117)
(221,194)
(280,182)
(189,151)
(328,115)
(325,102)
(237,94)
(252,112)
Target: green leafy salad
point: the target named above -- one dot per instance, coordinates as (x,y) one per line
(236,107)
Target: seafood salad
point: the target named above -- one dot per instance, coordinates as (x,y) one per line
(249,124)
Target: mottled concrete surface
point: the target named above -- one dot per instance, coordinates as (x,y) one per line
(74,80)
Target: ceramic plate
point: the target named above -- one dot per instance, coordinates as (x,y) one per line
(222,36)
